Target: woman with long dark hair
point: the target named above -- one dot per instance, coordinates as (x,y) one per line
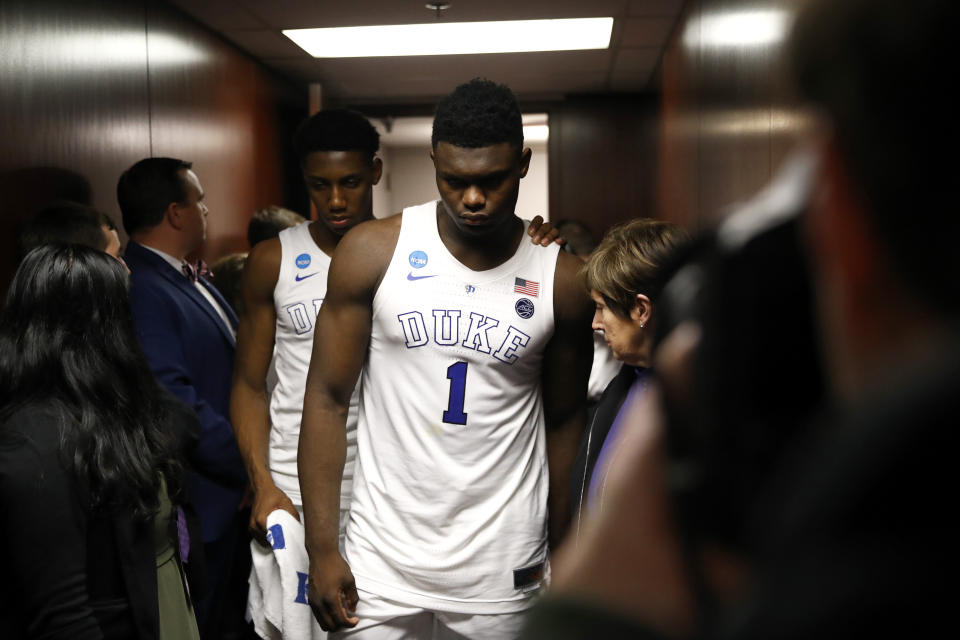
(89,466)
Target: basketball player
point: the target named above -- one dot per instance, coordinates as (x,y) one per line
(284,283)
(475,348)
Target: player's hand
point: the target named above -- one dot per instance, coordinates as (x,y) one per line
(265,501)
(332,592)
(543,233)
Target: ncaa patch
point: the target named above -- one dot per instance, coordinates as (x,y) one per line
(303,261)
(418,259)
(524,308)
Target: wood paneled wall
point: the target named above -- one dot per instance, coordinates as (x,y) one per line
(602,153)
(89,88)
(727,117)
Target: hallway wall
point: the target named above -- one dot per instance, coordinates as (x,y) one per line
(727,118)
(89,88)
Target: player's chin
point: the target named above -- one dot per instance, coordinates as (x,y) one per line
(476,227)
(340,225)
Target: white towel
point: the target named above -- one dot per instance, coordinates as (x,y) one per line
(277,601)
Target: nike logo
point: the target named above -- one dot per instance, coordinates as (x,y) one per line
(411,277)
(298,278)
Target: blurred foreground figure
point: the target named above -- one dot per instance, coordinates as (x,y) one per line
(853,533)
(90,471)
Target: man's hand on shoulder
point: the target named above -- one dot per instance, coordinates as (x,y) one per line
(544,233)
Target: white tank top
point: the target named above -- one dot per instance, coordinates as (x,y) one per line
(450,495)
(301,288)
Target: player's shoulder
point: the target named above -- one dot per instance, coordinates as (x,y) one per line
(569,266)
(265,251)
(262,268)
(570,295)
(363,255)
(371,236)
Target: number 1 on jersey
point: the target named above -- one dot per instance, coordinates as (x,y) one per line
(457,375)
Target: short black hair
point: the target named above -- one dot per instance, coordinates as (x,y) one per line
(873,67)
(146,189)
(335,130)
(64,222)
(479,113)
(268,222)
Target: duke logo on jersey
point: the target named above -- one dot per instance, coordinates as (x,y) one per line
(300,316)
(446,333)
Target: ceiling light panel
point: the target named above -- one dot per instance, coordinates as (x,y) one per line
(454,38)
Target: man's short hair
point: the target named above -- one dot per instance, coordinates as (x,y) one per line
(268,222)
(629,260)
(335,130)
(67,223)
(479,113)
(146,189)
(874,67)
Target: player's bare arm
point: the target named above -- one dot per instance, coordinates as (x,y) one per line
(566,371)
(340,343)
(249,404)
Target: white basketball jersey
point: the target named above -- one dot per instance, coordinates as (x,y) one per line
(301,288)
(450,493)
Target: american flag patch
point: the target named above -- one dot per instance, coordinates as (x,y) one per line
(526,287)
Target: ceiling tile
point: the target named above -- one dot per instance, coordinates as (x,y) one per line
(634,82)
(220,14)
(265,44)
(640,32)
(664,8)
(286,14)
(645,32)
(631,60)
(525,85)
(470,66)
(303,69)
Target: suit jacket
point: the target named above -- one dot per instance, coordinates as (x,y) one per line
(69,574)
(191,352)
(608,406)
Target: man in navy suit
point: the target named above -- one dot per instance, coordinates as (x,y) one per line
(188,332)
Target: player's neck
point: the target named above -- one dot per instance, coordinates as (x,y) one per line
(481,252)
(325,239)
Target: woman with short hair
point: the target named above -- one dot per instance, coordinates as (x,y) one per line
(623,277)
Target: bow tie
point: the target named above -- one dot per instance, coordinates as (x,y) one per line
(195,271)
